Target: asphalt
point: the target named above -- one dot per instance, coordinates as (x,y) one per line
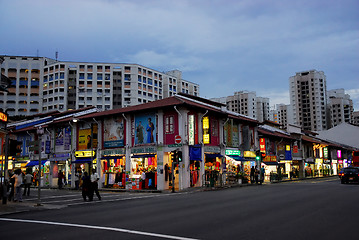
(16,207)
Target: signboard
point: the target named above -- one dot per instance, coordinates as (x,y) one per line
(262,145)
(325,152)
(3,117)
(85,153)
(85,137)
(205,125)
(145,131)
(114,132)
(175,145)
(233,152)
(249,154)
(339,154)
(191,126)
(270,159)
(295,149)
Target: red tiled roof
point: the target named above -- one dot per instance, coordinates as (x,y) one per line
(275,134)
(310,139)
(167,102)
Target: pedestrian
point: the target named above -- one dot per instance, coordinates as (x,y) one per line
(18,185)
(86,187)
(11,187)
(94,183)
(256,175)
(252,174)
(27,183)
(59,180)
(262,174)
(77,180)
(143,179)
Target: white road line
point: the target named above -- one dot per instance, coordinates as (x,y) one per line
(98,228)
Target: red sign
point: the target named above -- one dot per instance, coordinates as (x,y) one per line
(295,149)
(178,139)
(262,145)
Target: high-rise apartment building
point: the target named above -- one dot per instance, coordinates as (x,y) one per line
(43,85)
(308,100)
(340,107)
(247,103)
(356,118)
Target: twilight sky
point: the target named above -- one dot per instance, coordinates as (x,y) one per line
(225,46)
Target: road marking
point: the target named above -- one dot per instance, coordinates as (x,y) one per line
(98,228)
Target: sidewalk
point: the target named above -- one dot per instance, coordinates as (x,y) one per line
(14,207)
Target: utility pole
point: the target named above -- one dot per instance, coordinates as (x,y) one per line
(40,131)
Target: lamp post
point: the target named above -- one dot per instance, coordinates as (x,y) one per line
(40,132)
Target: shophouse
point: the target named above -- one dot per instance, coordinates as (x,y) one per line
(181,138)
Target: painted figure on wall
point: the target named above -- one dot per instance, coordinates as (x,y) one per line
(150,127)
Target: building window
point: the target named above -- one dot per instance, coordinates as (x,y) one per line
(169,124)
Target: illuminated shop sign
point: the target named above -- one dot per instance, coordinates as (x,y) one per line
(233,152)
(339,153)
(287,147)
(3,117)
(205,126)
(325,151)
(262,145)
(85,153)
(191,129)
(249,154)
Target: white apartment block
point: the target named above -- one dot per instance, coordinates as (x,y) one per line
(64,86)
(340,107)
(248,104)
(308,100)
(25,73)
(262,109)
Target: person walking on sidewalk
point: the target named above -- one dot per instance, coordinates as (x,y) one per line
(94,183)
(18,185)
(86,187)
(252,174)
(27,181)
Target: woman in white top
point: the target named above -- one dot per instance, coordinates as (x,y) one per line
(18,182)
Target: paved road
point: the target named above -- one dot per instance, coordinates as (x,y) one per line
(311,209)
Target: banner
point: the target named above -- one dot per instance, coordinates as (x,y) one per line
(114,132)
(145,130)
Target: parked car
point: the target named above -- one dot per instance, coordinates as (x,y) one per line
(349,174)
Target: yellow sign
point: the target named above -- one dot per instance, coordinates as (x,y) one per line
(249,154)
(205,126)
(287,147)
(84,153)
(3,117)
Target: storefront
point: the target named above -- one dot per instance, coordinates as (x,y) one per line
(84,161)
(309,167)
(213,168)
(60,163)
(270,165)
(195,157)
(143,168)
(335,166)
(249,161)
(113,165)
(318,168)
(33,165)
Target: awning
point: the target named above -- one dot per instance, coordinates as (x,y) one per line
(111,157)
(213,155)
(35,163)
(83,160)
(270,163)
(143,155)
(235,157)
(195,153)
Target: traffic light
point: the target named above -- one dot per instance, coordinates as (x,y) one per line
(15,147)
(179,156)
(174,156)
(263,155)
